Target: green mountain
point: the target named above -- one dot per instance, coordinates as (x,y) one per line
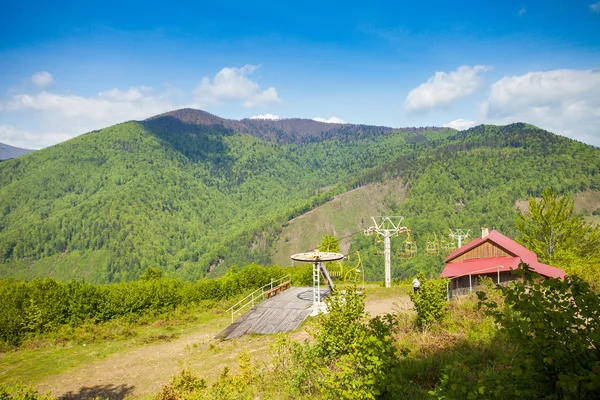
(191,193)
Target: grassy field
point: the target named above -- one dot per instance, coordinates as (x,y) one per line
(141,357)
(343,215)
(585,203)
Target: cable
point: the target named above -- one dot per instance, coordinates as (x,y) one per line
(340,239)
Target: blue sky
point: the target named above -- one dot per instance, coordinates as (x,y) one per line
(76,66)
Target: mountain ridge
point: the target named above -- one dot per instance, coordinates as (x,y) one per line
(186,196)
(285,130)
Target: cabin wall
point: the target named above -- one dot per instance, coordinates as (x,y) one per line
(460,286)
(484,250)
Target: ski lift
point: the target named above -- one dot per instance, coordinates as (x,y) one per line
(378,246)
(353,274)
(432,246)
(337,269)
(408,248)
(448,246)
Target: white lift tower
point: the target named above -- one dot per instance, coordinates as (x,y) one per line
(387,226)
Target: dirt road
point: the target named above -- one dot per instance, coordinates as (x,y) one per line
(146,369)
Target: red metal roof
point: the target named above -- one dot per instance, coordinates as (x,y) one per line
(511,247)
(479,266)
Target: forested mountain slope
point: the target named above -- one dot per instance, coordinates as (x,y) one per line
(169,193)
(188,191)
(475,181)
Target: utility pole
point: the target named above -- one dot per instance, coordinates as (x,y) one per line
(459,234)
(386,226)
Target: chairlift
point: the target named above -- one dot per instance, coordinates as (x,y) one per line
(408,248)
(378,246)
(448,246)
(432,246)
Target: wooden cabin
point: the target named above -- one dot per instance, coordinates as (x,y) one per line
(492,255)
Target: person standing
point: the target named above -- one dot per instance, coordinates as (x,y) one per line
(416,285)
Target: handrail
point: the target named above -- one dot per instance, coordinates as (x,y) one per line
(255,296)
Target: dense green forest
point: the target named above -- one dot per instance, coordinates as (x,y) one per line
(189,196)
(475,182)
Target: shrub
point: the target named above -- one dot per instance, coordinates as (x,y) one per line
(20,392)
(359,353)
(556,325)
(38,306)
(430,301)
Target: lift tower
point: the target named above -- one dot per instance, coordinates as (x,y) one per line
(460,234)
(387,226)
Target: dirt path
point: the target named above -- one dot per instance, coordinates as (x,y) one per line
(146,369)
(387,305)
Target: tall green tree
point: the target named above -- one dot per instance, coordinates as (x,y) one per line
(560,237)
(330,244)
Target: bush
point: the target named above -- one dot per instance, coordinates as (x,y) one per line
(360,360)
(556,326)
(42,305)
(20,392)
(430,301)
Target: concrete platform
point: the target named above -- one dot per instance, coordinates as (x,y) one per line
(282,313)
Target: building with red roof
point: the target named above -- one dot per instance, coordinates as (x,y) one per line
(492,255)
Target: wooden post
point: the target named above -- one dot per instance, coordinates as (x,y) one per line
(470,284)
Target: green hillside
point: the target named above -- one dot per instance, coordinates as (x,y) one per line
(341,217)
(189,192)
(477,183)
(182,196)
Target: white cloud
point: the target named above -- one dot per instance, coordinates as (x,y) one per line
(332,120)
(233,85)
(460,124)
(14,136)
(266,116)
(70,115)
(42,79)
(442,89)
(107,107)
(595,7)
(563,101)
(522,12)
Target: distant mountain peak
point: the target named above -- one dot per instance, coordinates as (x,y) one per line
(8,152)
(288,130)
(191,116)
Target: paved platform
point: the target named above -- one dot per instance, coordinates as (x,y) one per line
(282,313)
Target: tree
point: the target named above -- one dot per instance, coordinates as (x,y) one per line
(555,324)
(359,355)
(559,237)
(431,300)
(330,244)
(151,274)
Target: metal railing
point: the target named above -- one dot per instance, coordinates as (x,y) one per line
(257,295)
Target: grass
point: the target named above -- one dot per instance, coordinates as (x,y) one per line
(345,214)
(376,291)
(30,366)
(464,337)
(584,202)
(68,347)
